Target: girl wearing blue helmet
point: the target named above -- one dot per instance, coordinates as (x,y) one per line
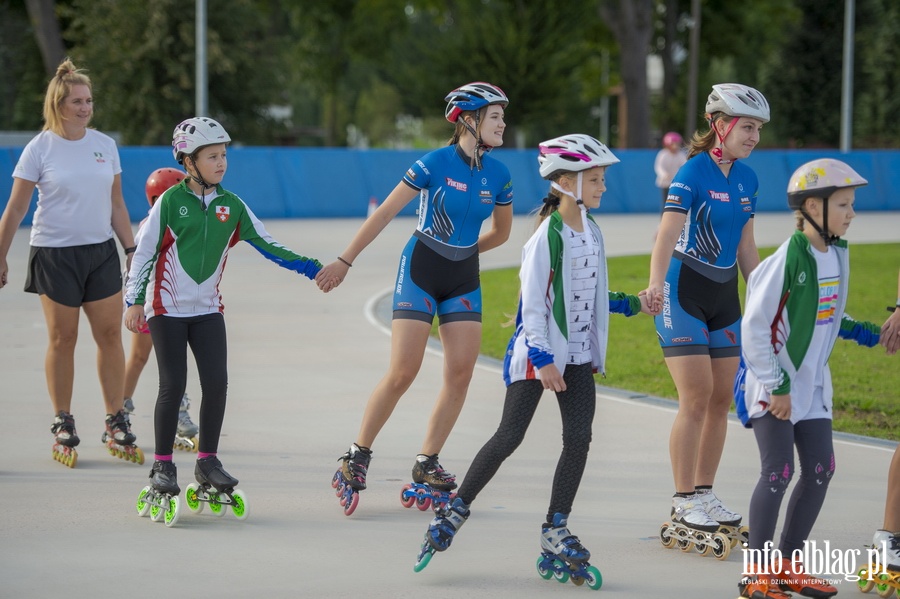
(458,187)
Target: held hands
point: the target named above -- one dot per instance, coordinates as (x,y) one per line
(780,406)
(645,303)
(134,319)
(332,275)
(652,297)
(890,333)
(551,378)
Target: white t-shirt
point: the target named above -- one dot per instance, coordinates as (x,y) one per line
(74,181)
(585,265)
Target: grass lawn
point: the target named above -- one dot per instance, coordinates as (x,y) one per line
(866,381)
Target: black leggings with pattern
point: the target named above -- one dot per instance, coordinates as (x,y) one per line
(576,406)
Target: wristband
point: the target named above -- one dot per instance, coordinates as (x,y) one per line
(130,250)
(345,262)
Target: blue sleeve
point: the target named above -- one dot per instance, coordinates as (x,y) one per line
(864,333)
(418,176)
(681,190)
(505,196)
(622,303)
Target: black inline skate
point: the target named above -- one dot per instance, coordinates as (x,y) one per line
(120,440)
(217,488)
(160,497)
(66,439)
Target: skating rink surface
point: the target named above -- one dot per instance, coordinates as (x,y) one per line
(301,367)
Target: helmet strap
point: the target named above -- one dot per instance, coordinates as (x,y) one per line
(584,211)
(823,229)
(717,151)
(198,178)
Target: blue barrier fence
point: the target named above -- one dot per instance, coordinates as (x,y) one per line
(340,182)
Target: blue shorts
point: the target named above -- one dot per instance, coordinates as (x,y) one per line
(700,316)
(428,284)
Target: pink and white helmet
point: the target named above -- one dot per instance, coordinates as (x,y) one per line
(735,99)
(194,133)
(572,153)
(821,178)
(671,138)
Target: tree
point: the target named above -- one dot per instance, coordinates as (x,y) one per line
(42,14)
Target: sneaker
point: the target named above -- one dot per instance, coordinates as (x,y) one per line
(716,510)
(556,539)
(164,477)
(118,428)
(761,586)
(891,541)
(186,427)
(356,466)
(64,428)
(427,470)
(800,582)
(691,512)
(447,521)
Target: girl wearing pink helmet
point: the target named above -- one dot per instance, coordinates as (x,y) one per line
(669,159)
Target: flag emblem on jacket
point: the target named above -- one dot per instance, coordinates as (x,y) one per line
(222,213)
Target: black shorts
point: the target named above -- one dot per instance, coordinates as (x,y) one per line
(75,275)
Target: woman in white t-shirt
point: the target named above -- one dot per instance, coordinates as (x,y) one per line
(74,263)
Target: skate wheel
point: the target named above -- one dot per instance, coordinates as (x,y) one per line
(239,508)
(542,569)
(407,497)
(743,535)
(171,514)
(142,506)
(560,571)
(423,560)
(721,546)
(596,579)
(684,544)
(193,501)
(336,480)
(423,500)
(350,503)
(666,537)
(156,513)
(215,507)
(882,587)
(865,585)
(138,456)
(703,547)
(577,580)
(339,490)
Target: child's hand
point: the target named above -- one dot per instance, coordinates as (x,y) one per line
(645,303)
(134,319)
(890,333)
(780,406)
(654,298)
(551,378)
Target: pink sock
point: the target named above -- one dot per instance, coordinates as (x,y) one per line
(162,458)
(201,455)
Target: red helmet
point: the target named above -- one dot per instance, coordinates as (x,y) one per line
(160,180)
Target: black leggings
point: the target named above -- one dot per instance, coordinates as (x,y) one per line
(576,406)
(206,336)
(776,439)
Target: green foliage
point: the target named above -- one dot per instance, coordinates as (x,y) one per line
(865,379)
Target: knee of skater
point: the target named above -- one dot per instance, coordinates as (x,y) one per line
(822,473)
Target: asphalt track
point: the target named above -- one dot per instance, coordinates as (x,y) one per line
(301,366)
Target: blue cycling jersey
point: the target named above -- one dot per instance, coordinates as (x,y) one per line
(718,208)
(455,198)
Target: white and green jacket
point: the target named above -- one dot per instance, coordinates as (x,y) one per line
(542,325)
(182,248)
(777,329)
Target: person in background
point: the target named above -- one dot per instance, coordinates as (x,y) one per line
(74,264)
(669,159)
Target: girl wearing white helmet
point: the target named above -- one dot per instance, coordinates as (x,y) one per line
(74,265)
(794,313)
(173,289)
(559,343)
(458,187)
(705,235)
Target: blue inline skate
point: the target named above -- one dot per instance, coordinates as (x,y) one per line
(431,486)
(447,521)
(564,557)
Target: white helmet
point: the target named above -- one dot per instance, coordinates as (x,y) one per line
(821,178)
(738,100)
(572,153)
(192,134)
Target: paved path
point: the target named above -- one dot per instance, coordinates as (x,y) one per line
(302,365)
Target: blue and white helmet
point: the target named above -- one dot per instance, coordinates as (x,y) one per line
(194,133)
(473,96)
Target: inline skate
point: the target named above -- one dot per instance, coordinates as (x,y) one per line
(448,519)
(66,439)
(217,488)
(792,578)
(186,433)
(119,439)
(882,574)
(160,497)
(564,557)
(729,522)
(431,486)
(691,526)
(761,586)
(350,478)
